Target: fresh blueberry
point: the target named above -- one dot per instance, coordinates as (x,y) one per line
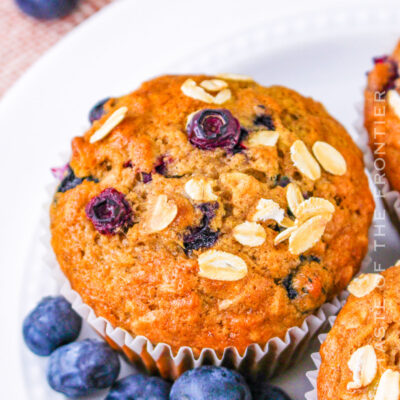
(209,382)
(212,128)
(265,391)
(51,324)
(109,211)
(47,9)
(81,368)
(70,180)
(202,236)
(97,111)
(140,387)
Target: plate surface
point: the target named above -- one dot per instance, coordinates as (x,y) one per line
(322,52)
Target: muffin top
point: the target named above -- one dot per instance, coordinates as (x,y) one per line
(382,115)
(211,211)
(360,357)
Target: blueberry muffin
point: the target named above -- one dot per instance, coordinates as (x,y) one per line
(211,211)
(382,115)
(360,357)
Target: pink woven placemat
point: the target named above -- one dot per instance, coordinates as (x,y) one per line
(23,39)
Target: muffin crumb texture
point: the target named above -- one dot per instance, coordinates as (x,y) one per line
(360,357)
(209,211)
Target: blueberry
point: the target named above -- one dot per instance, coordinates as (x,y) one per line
(51,324)
(80,368)
(140,387)
(310,258)
(393,69)
(209,382)
(161,166)
(109,211)
(212,128)
(202,236)
(70,180)
(288,285)
(97,111)
(264,120)
(282,180)
(146,178)
(208,210)
(47,9)
(276,228)
(265,391)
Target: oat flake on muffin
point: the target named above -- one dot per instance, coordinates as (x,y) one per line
(223,202)
(360,356)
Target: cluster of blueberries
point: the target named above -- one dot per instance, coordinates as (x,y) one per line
(80,368)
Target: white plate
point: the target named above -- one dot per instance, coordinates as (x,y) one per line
(322,51)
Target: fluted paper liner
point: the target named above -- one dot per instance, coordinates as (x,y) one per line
(257,362)
(316,357)
(391,197)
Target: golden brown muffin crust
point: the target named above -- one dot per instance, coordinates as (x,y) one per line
(145,283)
(374,320)
(381,122)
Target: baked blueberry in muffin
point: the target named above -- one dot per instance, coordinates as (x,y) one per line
(218,212)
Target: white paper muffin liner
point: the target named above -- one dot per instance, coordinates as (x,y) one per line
(316,357)
(257,362)
(391,197)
